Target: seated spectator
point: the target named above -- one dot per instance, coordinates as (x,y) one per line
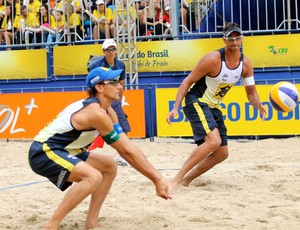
(74,28)
(102,21)
(153,18)
(47,21)
(6,31)
(72,12)
(16,8)
(58,28)
(26,23)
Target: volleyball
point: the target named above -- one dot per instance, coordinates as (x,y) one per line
(284,96)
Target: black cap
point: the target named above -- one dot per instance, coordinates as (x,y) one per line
(230,30)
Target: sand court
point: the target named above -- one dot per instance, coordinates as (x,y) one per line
(257,187)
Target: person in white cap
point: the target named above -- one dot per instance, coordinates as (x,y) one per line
(59,151)
(201,94)
(109,60)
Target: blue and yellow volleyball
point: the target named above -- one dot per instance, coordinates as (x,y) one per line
(284,96)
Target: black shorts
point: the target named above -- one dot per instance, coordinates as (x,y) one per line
(54,163)
(203,120)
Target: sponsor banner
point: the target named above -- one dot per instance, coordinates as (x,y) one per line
(157,57)
(178,55)
(182,55)
(23,64)
(72,60)
(23,115)
(240,117)
(272,51)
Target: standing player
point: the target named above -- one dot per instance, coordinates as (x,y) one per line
(203,90)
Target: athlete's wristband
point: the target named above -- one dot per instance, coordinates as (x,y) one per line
(118,128)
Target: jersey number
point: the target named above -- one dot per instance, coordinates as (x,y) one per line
(222,90)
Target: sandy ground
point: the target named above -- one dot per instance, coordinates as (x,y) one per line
(257,187)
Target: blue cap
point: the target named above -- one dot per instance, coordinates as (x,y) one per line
(101,74)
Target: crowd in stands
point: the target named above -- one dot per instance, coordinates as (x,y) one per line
(47,23)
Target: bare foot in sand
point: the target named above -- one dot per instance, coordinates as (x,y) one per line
(173,186)
(185,182)
(92,226)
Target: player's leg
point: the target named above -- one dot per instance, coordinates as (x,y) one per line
(205,132)
(212,142)
(108,168)
(209,162)
(216,157)
(88,180)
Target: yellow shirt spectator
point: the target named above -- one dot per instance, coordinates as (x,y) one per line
(30,21)
(34,6)
(108,16)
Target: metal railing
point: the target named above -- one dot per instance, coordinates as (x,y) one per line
(27,26)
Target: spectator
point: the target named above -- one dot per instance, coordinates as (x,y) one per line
(7,27)
(103,21)
(47,21)
(153,18)
(16,9)
(24,23)
(74,29)
(59,27)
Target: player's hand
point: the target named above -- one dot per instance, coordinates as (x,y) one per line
(162,189)
(262,111)
(173,113)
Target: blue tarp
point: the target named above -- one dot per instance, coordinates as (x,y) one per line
(251,19)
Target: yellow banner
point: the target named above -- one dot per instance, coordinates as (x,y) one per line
(23,64)
(152,56)
(273,51)
(156,56)
(174,55)
(182,55)
(240,117)
(72,60)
